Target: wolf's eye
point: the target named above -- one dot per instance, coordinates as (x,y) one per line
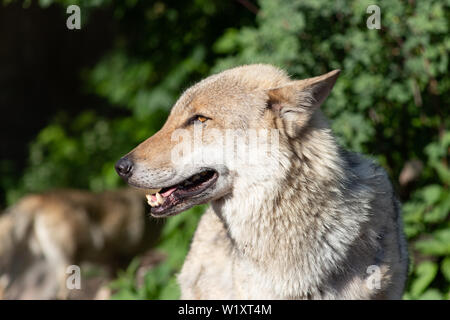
(198,118)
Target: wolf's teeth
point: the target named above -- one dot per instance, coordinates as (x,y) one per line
(150,201)
(159,198)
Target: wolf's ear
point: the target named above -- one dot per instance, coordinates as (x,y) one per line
(297,100)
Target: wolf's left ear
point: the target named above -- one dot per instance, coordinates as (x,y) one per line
(297,100)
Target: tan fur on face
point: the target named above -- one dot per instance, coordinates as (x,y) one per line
(213,97)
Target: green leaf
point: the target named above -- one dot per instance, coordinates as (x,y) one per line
(439,212)
(431,294)
(125,294)
(445,268)
(431,194)
(434,247)
(413,211)
(425,274)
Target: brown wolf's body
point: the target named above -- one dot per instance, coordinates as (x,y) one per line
(67,227)
(315,222)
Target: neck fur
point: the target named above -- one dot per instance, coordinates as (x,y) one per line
(297,222)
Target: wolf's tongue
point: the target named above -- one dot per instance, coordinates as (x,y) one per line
(164,194)
(169,192)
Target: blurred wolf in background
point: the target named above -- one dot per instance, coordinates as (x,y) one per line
(44,233)
(314,222)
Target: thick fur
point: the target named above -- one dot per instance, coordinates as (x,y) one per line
(312,228)
(308,242)
(56,229)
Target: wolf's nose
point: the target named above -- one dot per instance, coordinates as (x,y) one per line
(124,167)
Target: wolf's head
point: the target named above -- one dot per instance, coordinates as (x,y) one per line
(228,129)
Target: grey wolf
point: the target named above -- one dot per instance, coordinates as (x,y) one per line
(45,233)
(320,223)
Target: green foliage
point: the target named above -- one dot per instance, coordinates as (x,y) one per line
(140,78)
(391,102)
(427,225)
(160,282)
(81,152)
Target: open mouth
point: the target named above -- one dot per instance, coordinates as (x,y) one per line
(164,199)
